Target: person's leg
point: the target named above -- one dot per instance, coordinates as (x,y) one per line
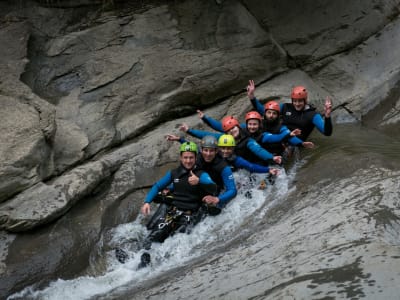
(161,230)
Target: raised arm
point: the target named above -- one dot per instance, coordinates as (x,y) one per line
(324,124)
(254,101)
(214,124)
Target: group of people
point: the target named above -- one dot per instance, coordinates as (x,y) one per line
(203,183)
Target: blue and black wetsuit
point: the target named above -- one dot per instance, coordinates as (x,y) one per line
(271,137)
(221,174)
(237,162)
(178,211)
(304,120)
(246,146)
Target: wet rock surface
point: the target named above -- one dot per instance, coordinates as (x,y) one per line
(87,95)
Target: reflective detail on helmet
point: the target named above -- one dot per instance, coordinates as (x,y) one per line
(209,141)
(229,122)
(253,115)
(188,147)
(226,140)
(299,92)
(272,105)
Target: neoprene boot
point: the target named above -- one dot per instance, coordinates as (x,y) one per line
(145,260)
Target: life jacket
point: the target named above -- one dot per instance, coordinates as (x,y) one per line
(242,150)
(274,128)
(231,162)
(185,195)
(213,168)
(302,120)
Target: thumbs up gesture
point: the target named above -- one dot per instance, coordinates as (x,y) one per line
(193,179)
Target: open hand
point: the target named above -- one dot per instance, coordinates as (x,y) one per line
(145,209)
(184,127)
(200,113)
(172,137)
(308,145)
(273,171)
(295,132)
(211,200)
(250,89)
(277,159)
(328,107)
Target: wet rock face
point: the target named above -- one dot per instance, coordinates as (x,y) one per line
(334,239)
(87,93)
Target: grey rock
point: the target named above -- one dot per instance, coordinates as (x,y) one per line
(87,96)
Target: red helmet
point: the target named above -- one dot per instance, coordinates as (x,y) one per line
(299,92)
(253,115)
(272,105)
(229,122)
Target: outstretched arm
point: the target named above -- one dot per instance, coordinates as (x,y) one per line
(157,187)
(214,124)
(260,152)
(242,163)
(201,133)
(175,138)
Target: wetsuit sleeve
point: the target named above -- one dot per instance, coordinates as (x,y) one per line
(207,184)
(182,140)
(241,163)
(230,187)
(214,124)
(257,105)
(294,140)
(324,125)
(274,138)
(158,186)
(259,151)
(201,133)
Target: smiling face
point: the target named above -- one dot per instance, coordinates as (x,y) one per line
(235,132)
(188,159)
(299,104)
(208,154)
(253,125)
(226,151)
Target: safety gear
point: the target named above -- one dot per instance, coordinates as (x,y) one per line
(253,115)
(272,105)
(145,260)
(209,141)
(188,147)
(229,122)
(226,140)
(299,92)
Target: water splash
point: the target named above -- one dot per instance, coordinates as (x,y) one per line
(250,205)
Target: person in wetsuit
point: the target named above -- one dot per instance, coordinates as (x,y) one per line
(226,145)
(246,146)
(220,171)
(180,210)
(299,113)
(268,132)
(214,164)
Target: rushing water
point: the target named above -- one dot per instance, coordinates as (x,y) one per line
(327,229)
